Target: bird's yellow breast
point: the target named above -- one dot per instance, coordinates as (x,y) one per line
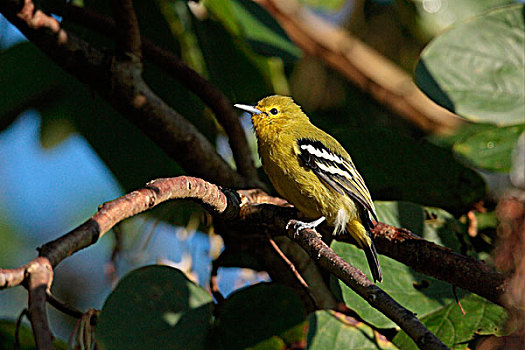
(301,186)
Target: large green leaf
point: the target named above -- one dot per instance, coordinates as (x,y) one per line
(455,329)
(155,307)
(397,167)
(263,316)
(433,224)
(491,149)
(325,5)
(477,68)
(417,292)
(330,330)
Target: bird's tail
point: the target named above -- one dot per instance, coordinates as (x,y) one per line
(364,240)
(373,261)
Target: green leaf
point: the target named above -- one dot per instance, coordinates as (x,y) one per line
(477,68)
(419,293)
(330,330)
(397,167)
(255,316)
(260,30)
(455,329)
(491,149)
(433,224)
(155,307)
(461,133)
(25,336)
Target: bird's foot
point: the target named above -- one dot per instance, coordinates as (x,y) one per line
(300,225)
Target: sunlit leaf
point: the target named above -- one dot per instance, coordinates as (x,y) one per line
(253,23)
(491,149)
(419,293)
(455,329)
(476,68)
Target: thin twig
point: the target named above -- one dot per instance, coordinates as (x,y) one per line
(63,307)
(25,313)
(292,268)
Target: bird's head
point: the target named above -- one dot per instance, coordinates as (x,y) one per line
(273,113)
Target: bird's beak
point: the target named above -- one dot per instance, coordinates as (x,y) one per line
(249,109)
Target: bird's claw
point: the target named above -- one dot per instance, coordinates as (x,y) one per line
(301,225)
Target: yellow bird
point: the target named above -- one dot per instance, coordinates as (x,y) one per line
(311,170)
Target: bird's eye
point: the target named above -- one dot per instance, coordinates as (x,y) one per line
(274,111)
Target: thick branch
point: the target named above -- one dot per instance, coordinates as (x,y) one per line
(111,213)
(133,203)
(361,65)
(206,91)
(122,85)
(12,277)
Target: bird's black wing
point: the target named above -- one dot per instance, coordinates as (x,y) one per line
(335,171)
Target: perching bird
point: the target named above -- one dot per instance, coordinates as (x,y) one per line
(311,170)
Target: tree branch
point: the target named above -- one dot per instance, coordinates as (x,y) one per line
(227,206)
(402,245)
(206,91)
(440,262)
(246,209)
(311,241)
(111,213)
(121,84)
(128,33)
(39,279)
(360,64)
